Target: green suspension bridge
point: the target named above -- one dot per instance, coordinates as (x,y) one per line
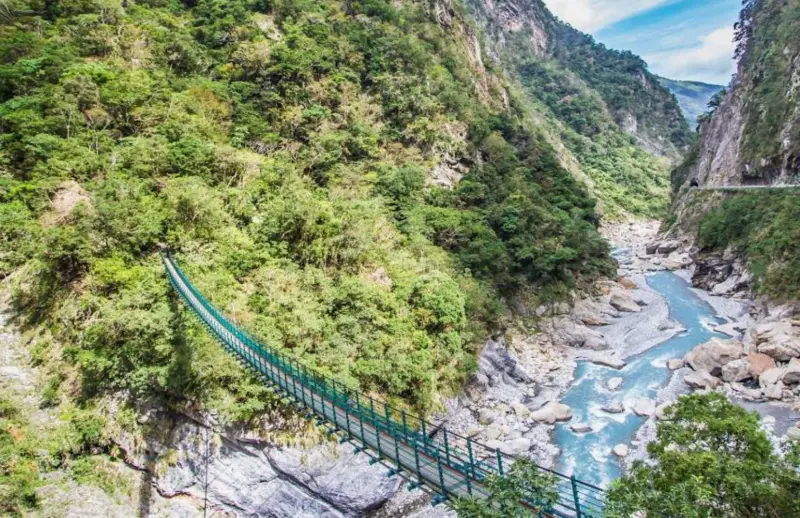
(444,463)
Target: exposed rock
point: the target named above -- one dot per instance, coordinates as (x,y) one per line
(759,363)
(747,393)
(473,431)
(609,361)
(615,383)
(737,370)
(579,336)
(793,434)
(614,408)
(792,373)
(500,366)
(780,340)
(518,446)
(520,409)
(675,364)
(714,354)
(486,416)
(620,450)
(660,411)
(667,247)
(770,377)
(552,412)
(628,283)
(701,380)
(622,301)
(644,407)
(774,391)
(493,433)
(581,427)
(652,248)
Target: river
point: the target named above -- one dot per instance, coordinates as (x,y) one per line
(587,455)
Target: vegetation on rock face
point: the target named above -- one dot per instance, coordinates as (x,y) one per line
(765,228)
(602,98)
(283,150)
(710,459)
(767,32)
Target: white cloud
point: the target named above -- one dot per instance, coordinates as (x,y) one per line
(710,59)
(593,15)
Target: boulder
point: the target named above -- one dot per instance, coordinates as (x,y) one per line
(552,412)
(793,434)
(500,366)
(774,391)
(518,446)
(737,370)
(660,411)
(614,408)
(486,416)
(760,363)
(628,283)
(473,431)
(644,407)
(622,301)
(792,374)
(615,383)
(779,340)
(493,433)
(770,377)
(620,450)
(581,427)
(652,248)
(579,336)
(520,409)
(701,380)
(714,354)
(667,247)
(609,361)
(675,364)
(747,393)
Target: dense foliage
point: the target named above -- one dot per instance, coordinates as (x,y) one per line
(524,482)
(765,228)
(711,459)
(767,32)
(283,150)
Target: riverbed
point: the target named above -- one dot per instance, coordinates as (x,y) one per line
(588,455)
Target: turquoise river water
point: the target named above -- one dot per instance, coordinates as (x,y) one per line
(587,455)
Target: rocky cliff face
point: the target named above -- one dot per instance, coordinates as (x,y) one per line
(753,137)
(519,29)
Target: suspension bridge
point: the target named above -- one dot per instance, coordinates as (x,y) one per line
(430,457)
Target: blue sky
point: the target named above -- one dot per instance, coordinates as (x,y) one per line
(680,39)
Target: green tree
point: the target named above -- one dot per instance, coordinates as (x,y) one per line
(710,459)
(524,482)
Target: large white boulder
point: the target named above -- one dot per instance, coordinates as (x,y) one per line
(780,340)
(792,374)
(714,354)
(737,370)
(615,383)
(620,450)
(771,377)
(701,380)
(644,407)
(621,300)
(609,361)
(552,412)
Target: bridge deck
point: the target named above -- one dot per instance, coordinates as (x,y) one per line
(448,464)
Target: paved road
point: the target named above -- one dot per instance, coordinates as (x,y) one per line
(732,188)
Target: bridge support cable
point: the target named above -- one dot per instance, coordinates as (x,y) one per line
(443,462)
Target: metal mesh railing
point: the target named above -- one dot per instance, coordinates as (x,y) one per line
(447,463)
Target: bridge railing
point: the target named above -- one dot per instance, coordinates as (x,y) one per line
(433,445)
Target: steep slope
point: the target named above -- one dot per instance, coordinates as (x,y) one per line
(693,97)
(613,114)
(752,139)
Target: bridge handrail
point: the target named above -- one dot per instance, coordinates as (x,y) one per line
(474,460)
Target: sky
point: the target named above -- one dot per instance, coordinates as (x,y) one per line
(679,39)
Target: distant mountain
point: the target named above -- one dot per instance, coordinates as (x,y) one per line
(693,97)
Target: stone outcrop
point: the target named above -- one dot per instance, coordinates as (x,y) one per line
(714,354)
(551,413)
(702,380)
(622,301)
(779,340)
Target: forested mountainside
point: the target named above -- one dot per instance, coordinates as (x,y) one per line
(693,97)
(752,138)
(612,113)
